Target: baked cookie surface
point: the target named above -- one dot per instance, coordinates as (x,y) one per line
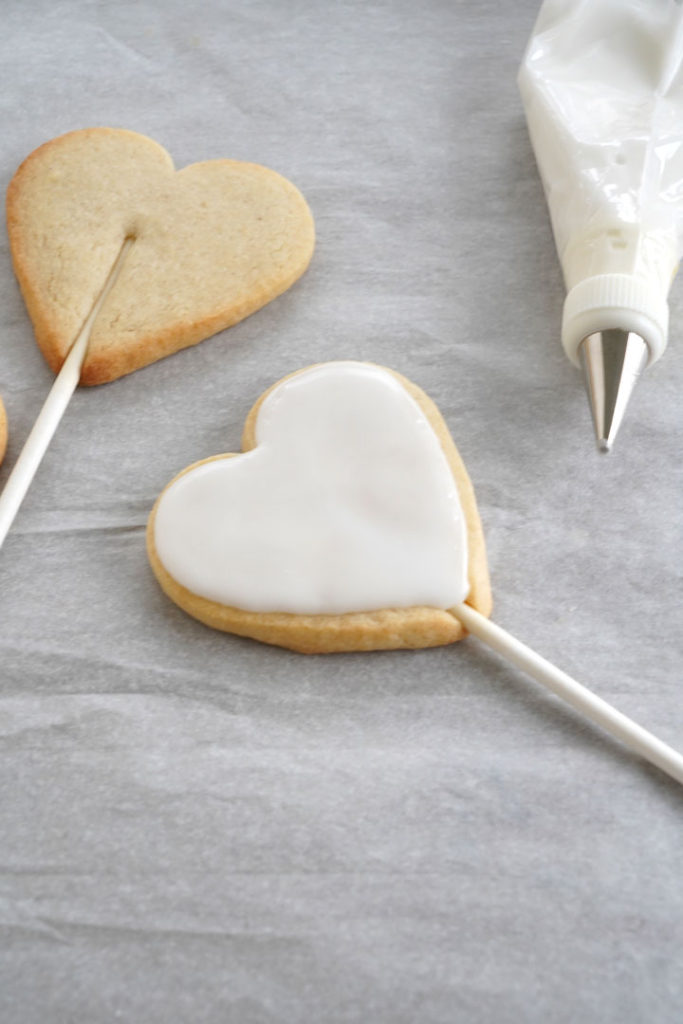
(347,523)
(212,243)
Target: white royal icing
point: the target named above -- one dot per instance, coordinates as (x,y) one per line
(347,504)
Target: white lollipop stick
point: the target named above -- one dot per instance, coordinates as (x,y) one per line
(19,480)
(597,710)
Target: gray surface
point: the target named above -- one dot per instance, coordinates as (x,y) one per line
(198,828)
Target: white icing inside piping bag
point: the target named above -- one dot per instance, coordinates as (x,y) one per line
(603,94)
(602,87)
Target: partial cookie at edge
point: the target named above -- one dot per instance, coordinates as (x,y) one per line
(3,431)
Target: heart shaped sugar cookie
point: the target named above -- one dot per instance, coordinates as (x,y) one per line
(212,243)
(348,523)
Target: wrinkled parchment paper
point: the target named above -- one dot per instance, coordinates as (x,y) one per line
(194,827)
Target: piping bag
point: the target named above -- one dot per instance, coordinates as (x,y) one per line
(602,87)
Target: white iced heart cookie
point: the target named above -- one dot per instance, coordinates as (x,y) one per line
(349,523)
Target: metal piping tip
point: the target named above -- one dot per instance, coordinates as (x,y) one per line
(612,361)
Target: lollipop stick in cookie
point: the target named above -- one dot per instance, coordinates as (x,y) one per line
(349,523)
(53,409)
(582,699)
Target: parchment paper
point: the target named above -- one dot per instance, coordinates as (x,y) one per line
(197,828)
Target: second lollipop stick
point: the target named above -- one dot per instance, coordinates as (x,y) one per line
(53,408)
(589,704)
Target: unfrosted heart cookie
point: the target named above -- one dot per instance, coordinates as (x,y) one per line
(348,523)
(213,242)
